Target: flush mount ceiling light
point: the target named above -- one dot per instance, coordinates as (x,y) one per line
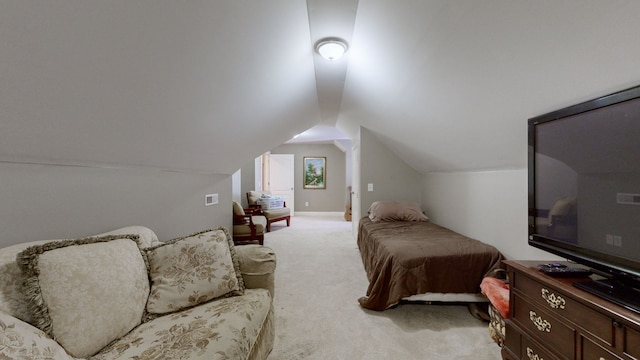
(331,48)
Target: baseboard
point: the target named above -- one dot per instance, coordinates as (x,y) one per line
(318,213)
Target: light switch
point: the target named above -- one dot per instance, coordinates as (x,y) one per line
(370,187)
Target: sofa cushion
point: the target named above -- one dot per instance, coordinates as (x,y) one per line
(86,293)
(191,270)
(223,329)
(19,340)
(11,299)
(11,277)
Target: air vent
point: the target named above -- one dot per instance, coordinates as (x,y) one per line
(628,199)
(210,199)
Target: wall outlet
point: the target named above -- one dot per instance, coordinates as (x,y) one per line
(306,203)
(370,187)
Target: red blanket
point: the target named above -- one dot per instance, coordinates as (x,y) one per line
(498,293)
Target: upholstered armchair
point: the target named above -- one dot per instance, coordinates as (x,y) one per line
(272,214)
(247,226)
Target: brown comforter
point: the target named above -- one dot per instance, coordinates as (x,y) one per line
(407,258)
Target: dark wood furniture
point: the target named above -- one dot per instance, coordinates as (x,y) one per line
(255,233)
(269,215)
(272,215)
(551,319)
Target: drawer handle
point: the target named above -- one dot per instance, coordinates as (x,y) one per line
(555,301)
(539,322)
(534,356)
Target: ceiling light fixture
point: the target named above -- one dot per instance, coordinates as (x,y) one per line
(331,49)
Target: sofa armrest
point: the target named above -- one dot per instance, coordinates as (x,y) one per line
(21,340)
(258,266)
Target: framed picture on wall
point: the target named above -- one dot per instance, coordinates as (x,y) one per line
(315,172)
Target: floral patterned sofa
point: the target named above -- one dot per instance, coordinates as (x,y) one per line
(126,295)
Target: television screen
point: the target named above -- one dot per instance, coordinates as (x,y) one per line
(584,183)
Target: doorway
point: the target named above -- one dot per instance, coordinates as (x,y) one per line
(278,177)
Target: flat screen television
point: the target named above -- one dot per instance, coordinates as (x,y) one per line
(584,191)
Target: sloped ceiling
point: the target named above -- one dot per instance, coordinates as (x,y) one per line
(208,85)
(200,86)
(449,85)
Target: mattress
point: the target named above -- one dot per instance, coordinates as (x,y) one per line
(407,258)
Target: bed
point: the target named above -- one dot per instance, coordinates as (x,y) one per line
(418,260)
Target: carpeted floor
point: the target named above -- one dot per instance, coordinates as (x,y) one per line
(319,278)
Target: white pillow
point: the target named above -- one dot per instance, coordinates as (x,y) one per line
(86,293)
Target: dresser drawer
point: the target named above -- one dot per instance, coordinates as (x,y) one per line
(546,327)
(551,319)
(559,304)
(632,342)
(535,352)
(521,347)
(592,351)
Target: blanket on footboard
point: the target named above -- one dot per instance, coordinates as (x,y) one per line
(404,258)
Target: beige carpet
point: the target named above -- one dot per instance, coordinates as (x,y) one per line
(318,281)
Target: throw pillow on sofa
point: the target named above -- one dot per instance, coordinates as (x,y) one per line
(191,270)
(86,293)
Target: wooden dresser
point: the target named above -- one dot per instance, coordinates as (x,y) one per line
(551,319)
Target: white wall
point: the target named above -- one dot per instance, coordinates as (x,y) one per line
(331,199)
(490,206)
(391,177)
(39,202)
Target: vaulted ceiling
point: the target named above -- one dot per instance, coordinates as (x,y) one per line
(208,85)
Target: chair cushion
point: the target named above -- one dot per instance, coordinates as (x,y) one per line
(237,209)
(276,213)
(244,230)
(86,293)
(191,270)
(259,221)
(253,196)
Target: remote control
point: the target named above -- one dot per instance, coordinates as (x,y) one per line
(560,270)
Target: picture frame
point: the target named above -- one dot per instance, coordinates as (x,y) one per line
(314,172)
